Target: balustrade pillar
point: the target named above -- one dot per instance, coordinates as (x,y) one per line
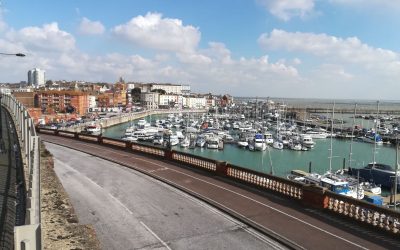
(222,168)
(168,154)
(314,196)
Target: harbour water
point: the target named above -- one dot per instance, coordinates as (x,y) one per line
(281,162)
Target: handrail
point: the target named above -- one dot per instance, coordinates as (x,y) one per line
(27,236)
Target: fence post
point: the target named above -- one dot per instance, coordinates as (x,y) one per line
(314,196)
(222,169)
(168,154)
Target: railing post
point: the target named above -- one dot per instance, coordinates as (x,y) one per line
(222,169)
(168,154)
(128,145)
(100,139)
(314,196)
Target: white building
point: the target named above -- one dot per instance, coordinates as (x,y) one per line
(5,90)
(169,88)
(171,100)
(130,86)
(149,100)
(196,102)
(92,101)
(36,77)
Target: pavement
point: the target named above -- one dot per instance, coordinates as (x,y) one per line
(278,217)
(10,161)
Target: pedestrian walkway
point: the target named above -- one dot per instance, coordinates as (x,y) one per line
(10,161)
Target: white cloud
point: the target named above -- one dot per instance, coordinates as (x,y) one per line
(46,38)
(154,32)
(287,9)
(387,4)
(349,50)
(88,27)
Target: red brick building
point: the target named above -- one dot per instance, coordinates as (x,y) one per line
(53,101)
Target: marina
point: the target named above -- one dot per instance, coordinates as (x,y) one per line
(283,161)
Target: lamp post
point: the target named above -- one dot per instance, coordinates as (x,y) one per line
(8,54)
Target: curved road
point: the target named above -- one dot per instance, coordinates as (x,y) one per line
(305,227)
(130,210)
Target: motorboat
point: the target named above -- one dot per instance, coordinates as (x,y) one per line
(228,139)
(200,141)
(93,129)
(213,143)
(158,140)
(268,138)
(317,134)
(277,145)
(242,142)
(295,146)
(172,140)
(129,138)
(307,141)
(372,138)
(185,143)
(259,142)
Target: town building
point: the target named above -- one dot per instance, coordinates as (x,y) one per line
(195,102)
(171,88)
(62,101)
(149,100)
(36,78)
(167,101)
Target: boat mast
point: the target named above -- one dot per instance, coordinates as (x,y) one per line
(376,132)
(330,157)
(352,135)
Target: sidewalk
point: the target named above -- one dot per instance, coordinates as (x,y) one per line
(7,183)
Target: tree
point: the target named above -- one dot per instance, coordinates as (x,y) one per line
(160,91)
(135,93)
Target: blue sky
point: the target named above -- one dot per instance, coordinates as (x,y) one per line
(286,48)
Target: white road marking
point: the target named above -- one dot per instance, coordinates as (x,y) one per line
(155,235)
(215,185)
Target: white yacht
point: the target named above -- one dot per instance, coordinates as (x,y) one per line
(317,134)
(213,143)
(259,142)
(158,140)
(268,138)
(307,141)
(277,145)
(185,143)
(200,141)
(93,129)
(242,142)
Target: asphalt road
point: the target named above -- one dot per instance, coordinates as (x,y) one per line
(130,210)
(286,219)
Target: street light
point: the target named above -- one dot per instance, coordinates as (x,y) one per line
(17,54)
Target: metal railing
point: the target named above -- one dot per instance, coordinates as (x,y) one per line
(27,236)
